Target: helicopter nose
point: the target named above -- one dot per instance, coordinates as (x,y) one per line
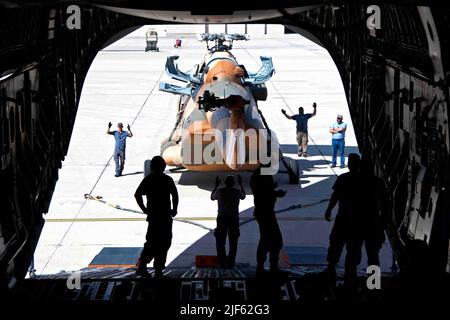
(234,155)
(235,137)
(229,123)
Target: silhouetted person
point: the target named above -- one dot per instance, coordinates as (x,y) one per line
(373,221)
(349,191)
(302,128)
(271,239)
(227,219)
(119,148)
(158,188)
(337,131)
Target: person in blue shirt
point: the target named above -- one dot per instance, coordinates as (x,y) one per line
(337,131)
(302,128)
(119,149)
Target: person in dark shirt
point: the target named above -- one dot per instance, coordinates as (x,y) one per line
(347,230)
(375,218)
(227,219)
(119,148)
(302,128)
(271,240)
(158,189)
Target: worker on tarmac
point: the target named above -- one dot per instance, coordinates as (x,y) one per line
(158,188)
(376,218)
(349,190)
(227,219)
(119,149)
(302,128)
(337,131)
(271,240)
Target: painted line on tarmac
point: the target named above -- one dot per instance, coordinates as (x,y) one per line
(177,219)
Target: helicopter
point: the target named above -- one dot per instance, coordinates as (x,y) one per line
(218,125)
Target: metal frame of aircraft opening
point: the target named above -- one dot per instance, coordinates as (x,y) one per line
(390,58)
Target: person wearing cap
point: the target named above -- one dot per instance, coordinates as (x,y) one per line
(158,188)
(337,131)
(119,149)
(228,199)
(302,128)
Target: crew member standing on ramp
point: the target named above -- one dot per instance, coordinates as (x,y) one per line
(348,229)
(271,239)
(158,188)
(227,219)
(376,217)
(119,150)
(302,128)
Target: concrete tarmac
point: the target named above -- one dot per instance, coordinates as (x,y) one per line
(122,86)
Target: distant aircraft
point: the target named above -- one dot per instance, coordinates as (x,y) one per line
(218,113)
